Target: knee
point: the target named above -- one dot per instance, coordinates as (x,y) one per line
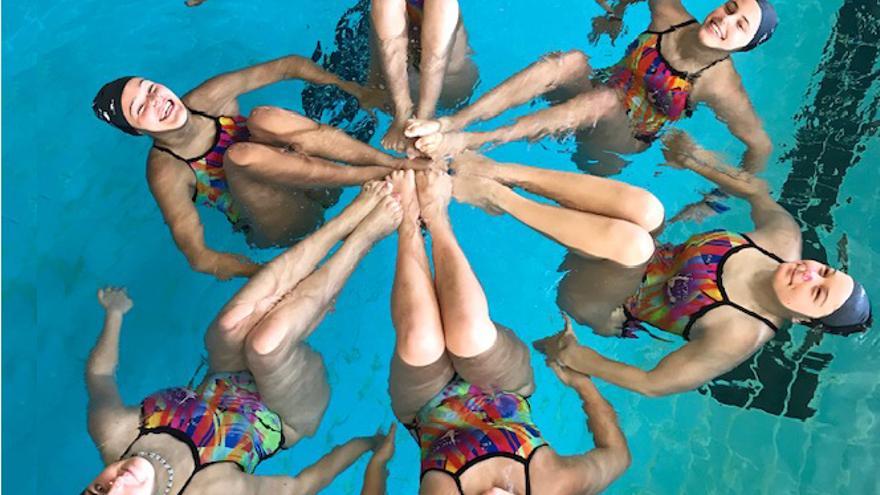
(420,351)
(648,211)
(242,154)
(571,64)
(634,246)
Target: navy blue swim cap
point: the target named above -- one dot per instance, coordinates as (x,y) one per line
(108,105)
(851,317)
(769,21)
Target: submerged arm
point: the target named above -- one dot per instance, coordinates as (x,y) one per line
(226,87)
(685,369)
(172,188)
(108,418)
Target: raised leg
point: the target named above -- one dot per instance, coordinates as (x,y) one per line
(587,234)
(226,336)
(390,26)
(440,20)
(281,332)
(463,306)
(284,128)
(586,193)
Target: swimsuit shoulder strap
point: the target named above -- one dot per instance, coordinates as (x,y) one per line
(674,27)
(217,129)
(759,248)
(698,73)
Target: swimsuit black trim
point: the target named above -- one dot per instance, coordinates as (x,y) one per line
(457,476)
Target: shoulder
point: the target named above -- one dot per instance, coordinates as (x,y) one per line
(205,98)
(720,82)
(113,430)
(667,13)
(729,331)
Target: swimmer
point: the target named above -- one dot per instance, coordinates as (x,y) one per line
(265,390)
(726,293)
(668,70)
(451,358)
(272,174)
(422,49)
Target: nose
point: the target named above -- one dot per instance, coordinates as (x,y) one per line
(806,273)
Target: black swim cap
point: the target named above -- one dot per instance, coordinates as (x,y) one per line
(769,21)
(853,316)
(108,105)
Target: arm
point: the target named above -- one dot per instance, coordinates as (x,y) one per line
(108,419)
(692,365)
(595,470)
(771,220)
(172,186)
(220,90)
(376,474)
(730,102)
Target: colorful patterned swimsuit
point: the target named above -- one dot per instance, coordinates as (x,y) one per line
(464,424)
(651,90)
(682,283)
(211,186)
(224,420)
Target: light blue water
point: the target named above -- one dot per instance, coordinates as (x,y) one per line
(77,214)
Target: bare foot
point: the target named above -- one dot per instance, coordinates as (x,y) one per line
(416,128)
(413,164)
(470,163)
(394,139)
(478,191)
(383,220)
(443,145)
(403,185)
(193,3)
(434,191)
(371,193)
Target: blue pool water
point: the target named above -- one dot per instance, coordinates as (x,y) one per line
(77,215)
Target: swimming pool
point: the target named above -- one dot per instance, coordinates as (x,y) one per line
(77,214)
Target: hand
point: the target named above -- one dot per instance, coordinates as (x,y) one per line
(610,24)
(571,378)
(115,299)
(383,444)
(552,347)
(678,148)
(368,98)
(225,266)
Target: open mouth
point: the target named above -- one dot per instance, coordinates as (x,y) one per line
(713,26)
(166,111)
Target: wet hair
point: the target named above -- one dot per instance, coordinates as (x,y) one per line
(769,21)
(107,105)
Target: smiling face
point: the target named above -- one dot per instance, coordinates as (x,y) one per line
(151,107)
(731,26)
(810,289)
(132,476)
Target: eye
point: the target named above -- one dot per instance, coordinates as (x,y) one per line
(153,88)
(815,292)
(140,110)
(741,26)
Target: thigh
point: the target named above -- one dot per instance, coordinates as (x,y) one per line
(411,387)
(277,215)
(277,126)
(593,290)
(504,366)
(293,383)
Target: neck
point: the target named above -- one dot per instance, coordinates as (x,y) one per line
(764,295)
(178,139)
(173,453)
(691,48)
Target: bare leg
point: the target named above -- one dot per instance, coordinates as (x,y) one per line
(291,169)
(587,234)
(390,25)
(463,306)
(586,193)
(439,25)
(274,347)
(280,127)
(225,338)
(581,112)
(414,307)
(548,74)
